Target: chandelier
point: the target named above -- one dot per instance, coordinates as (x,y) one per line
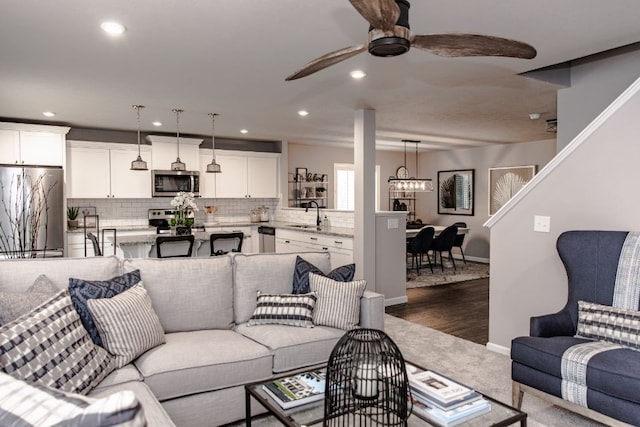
(411,184)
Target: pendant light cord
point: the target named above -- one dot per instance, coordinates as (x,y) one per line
(138,108)
(177,111)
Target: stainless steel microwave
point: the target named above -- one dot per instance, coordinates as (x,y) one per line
(166,183)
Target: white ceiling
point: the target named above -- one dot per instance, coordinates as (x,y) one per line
(232,56)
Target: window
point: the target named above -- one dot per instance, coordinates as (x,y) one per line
(344,190)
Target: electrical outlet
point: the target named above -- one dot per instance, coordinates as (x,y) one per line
(542,224)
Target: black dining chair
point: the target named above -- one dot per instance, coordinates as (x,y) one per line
(421,245)
(444,243)
(174,246)
(223,243)
(460,239)
(94,241)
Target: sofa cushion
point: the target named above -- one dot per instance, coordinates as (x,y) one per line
(294,348)
(127,324)
(127,373)
(154,412)
(15,304)
(303,267)
(610,324)
(82,290)
(19,274)
(284,309)
(200,361)
(189,294)
(49,346)
(338,303)
(268,273)
(23,404)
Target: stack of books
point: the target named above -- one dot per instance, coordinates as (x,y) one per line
(443,401)
(297,390)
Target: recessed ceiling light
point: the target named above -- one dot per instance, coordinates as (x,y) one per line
(303,113)
(157,124)
(48,114)
(113,28)
(534,116)
(244,131)
(358,74)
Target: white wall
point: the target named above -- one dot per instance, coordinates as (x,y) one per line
(594,187)
(320,159)
(595,82)
(476,244)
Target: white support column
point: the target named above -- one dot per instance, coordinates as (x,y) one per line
(364,156)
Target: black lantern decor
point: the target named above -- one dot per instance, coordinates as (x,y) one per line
(367,381)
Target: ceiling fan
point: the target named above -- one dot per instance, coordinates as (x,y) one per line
(389,35)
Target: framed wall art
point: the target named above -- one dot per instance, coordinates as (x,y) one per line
(505,182)
(301,174)
(456,192)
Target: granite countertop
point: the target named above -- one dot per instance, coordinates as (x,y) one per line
(201,236)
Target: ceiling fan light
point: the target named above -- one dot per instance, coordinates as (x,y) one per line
(389,46)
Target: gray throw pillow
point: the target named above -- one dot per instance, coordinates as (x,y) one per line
(83,290)
(127,323)
(15,304)
(49,346)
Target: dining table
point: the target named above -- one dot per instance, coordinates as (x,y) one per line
(437,229)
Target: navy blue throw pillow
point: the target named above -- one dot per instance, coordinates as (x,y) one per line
(83,290)
(303,268)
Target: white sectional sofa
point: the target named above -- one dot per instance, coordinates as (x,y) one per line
(197,377)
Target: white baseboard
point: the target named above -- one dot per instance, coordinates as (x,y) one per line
(498,349)
(395,301)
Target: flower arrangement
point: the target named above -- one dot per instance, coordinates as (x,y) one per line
(183,203)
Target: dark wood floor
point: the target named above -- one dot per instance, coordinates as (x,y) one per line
(460,309)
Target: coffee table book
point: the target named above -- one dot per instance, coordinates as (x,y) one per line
(301,389)
(453,417)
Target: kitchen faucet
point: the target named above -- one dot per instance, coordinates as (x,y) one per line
(318,222)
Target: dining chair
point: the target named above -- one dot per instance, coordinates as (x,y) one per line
(444,243)
(421,245)
(174,246)
(94,241)
(223,243)
(457,243)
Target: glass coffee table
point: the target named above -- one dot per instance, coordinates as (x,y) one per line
(313,413)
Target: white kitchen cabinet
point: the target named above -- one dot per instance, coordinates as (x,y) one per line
(340,248)
(32,144)
(246,175)
(99,170)
(165,152)
(207,180)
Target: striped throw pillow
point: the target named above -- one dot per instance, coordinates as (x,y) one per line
(49,346)
(338,303)
(610,324)
(127,324)
(285,309)
(23,404)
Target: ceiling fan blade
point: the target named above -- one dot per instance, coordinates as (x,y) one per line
(326,61)
(381,14)
(472,45)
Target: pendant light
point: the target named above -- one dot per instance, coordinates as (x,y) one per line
(213,167)
(411,184)
(138,164)
(178,165)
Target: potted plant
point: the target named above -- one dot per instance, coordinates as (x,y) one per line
(72,215)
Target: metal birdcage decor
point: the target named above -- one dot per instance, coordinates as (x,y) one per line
(366,382)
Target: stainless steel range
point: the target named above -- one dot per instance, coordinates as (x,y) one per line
(161,219)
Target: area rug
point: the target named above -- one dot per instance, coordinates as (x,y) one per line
(463,272)
(470,363)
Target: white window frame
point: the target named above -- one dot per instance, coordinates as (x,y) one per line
(337,167)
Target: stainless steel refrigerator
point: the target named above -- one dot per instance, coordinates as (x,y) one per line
(31,212)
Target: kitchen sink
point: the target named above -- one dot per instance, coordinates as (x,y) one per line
(302,226)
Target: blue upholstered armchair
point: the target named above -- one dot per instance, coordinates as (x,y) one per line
(586,357)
